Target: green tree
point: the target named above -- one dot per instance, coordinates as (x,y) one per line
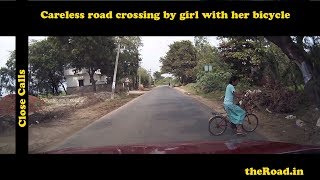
(180,61)
(157,76)
(294,48)
(46,66)
(209,55)
(129,58)
(8,75)
(286,59)
(303,51)
(92,53)
(144,76)
(257,60)
(244,56)
(206,54)
(279,67)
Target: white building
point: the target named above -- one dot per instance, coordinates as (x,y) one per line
(79,81)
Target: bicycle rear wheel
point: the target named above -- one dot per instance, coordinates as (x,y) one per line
(250,123)
(217,125)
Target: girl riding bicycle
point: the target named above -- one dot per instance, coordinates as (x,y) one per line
(235,113)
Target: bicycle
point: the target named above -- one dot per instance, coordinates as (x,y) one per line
(219,122)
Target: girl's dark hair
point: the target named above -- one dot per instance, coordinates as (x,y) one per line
(233,78)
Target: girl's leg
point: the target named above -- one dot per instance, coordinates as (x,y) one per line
(240,130)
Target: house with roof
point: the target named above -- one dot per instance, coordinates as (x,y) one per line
(79,81)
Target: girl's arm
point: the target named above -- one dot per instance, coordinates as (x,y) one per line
(238,95)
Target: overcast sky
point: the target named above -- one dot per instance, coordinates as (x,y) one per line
(7,44)
(153,48)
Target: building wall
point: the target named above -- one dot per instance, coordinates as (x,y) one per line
(72,79)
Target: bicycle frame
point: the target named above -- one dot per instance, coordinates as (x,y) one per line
(225,121)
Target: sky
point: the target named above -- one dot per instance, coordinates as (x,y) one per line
(7,44)
(153,48)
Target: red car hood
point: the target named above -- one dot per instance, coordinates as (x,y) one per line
(221,147)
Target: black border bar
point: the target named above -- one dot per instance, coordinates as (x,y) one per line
(303,17)
(21,99)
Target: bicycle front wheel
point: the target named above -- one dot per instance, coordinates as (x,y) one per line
(217,125)
(250,123)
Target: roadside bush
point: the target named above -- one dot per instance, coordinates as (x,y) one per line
(243,85)
(193,87)
(175,82)
(212,81)
(277,98)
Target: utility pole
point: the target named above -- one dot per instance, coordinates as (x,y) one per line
(139,74)
(115,71)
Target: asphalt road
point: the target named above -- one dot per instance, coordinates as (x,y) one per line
(163,115)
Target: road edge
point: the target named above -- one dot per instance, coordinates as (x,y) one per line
(121,107)
(208,103)
(98,120)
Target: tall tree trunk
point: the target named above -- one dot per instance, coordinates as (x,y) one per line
(56,83)
(137,82)
(63,87)
(91,74)
(299,56)
(56,89)
(294,53)
(133,82)
(183,80)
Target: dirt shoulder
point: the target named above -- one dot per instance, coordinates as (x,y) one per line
(61,120)
(8,142)
(274,126)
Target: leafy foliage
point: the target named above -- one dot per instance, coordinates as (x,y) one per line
(157,76)
(50,57)
(129,58)
(244,56)
(145,76)
(46,66)
(213,81)
(180,61)
(8,75)
(92,53)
